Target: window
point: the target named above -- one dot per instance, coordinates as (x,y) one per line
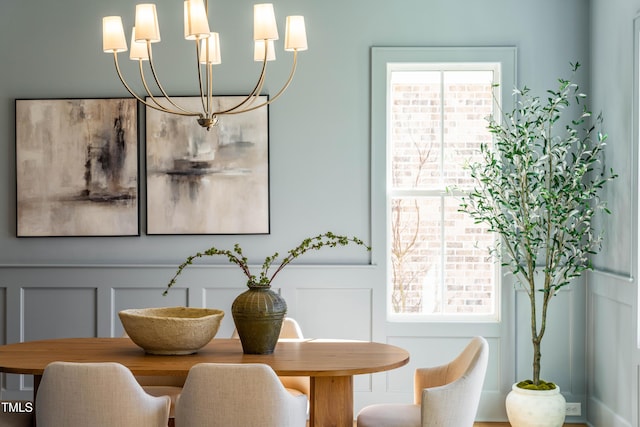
(435,111)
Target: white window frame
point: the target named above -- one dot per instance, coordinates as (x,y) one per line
(384,61)
(636,163)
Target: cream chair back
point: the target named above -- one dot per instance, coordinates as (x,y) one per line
(161,385)
(290,329)
(96,395)
(456,402)
(238,395)
(470,363)
(446,395)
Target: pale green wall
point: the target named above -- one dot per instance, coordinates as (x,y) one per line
(612,309)
(319,129)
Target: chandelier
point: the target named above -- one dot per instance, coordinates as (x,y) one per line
(207,46)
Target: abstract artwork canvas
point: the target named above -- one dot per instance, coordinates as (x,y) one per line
(208,182)
(77,167)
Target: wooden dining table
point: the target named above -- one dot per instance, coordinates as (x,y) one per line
(330,364)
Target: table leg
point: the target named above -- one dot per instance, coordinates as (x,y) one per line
(331,402)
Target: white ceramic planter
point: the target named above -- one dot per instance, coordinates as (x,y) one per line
(535,408)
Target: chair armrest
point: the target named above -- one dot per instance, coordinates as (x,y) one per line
(454,404)
(297,383)
(435,376)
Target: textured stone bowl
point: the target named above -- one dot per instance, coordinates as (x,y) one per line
(171,330)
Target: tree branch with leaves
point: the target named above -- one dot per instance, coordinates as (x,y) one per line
(538,188)
(264,278)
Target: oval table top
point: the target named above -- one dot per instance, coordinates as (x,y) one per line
(308,357)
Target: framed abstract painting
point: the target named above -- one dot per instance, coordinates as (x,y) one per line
(208,182)
(77,167)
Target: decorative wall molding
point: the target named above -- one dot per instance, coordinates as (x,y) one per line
(623,277)
(601,415)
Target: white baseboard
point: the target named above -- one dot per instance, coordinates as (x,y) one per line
(601,415)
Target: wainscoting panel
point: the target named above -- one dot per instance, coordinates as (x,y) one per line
(557,356)
(611,326)
(342,313)
(3,309)
(613,323)
(59,313)
(335,313)
(55,312)
(222,298)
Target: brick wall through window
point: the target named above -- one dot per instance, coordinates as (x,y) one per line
(439,261)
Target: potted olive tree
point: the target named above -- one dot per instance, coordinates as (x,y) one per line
(537,187)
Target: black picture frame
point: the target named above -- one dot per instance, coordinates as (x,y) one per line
(77,168)
(202,181)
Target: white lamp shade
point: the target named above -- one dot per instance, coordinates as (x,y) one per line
(264,22)
(196,24)
(147,23)
(258,51)
(210,50)
(113,39)
(296,35)
(138,49)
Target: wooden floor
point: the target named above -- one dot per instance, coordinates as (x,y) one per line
(508,425)
(503,425)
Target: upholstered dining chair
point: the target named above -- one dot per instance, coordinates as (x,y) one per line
(170,386)
(97,395)
(446,395)
(163,386)
(238,395)
(290,330)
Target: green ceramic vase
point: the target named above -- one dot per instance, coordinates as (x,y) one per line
(258,314)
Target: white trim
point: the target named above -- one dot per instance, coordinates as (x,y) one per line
(635,217)
(501,60)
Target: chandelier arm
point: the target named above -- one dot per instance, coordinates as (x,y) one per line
(146,87)
(253,93)
(210,88)
(277,95)
(256,93)
(200,84)
(249,99)
(263,76)
(155,107)
(164,93)
(254,98)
